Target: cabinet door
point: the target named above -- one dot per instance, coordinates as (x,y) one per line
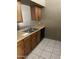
(19,12)
(33,13)
(36,13)
(38,36)
(27,43)
(20,50)
(34,40)
(42,33)
(39,13)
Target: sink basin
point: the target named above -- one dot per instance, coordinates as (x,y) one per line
(30,30)
(25,34)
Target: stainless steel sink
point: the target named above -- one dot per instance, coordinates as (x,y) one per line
(30,30)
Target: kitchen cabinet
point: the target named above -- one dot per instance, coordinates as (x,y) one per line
(19,12)
(27,43)
(31,42)
(36,13)
(34,40)
(20,50)
(40,2)
(42,34)
(38,37)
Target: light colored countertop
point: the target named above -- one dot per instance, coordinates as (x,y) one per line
(21,35)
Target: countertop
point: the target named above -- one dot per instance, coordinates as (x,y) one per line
(20,33)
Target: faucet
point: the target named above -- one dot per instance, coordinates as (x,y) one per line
(28,27)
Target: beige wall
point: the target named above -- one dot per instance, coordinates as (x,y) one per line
(52,19)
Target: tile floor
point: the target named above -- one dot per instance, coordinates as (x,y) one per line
(47,49)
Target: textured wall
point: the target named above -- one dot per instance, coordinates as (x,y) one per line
(52,19)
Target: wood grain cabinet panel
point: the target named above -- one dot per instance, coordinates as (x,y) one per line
(42,34)
(39,13)
(25,46)
(20,50)
(34,40)
(27,43)
(36,13)
(38,37)
(19,12)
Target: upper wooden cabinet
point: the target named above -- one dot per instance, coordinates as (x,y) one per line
(36,13)
(19,12)
(40,2)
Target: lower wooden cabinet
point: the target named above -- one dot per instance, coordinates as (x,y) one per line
(28,46)
(34,40)
(25,46)
(38,37)
(42,34)
(20,50)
